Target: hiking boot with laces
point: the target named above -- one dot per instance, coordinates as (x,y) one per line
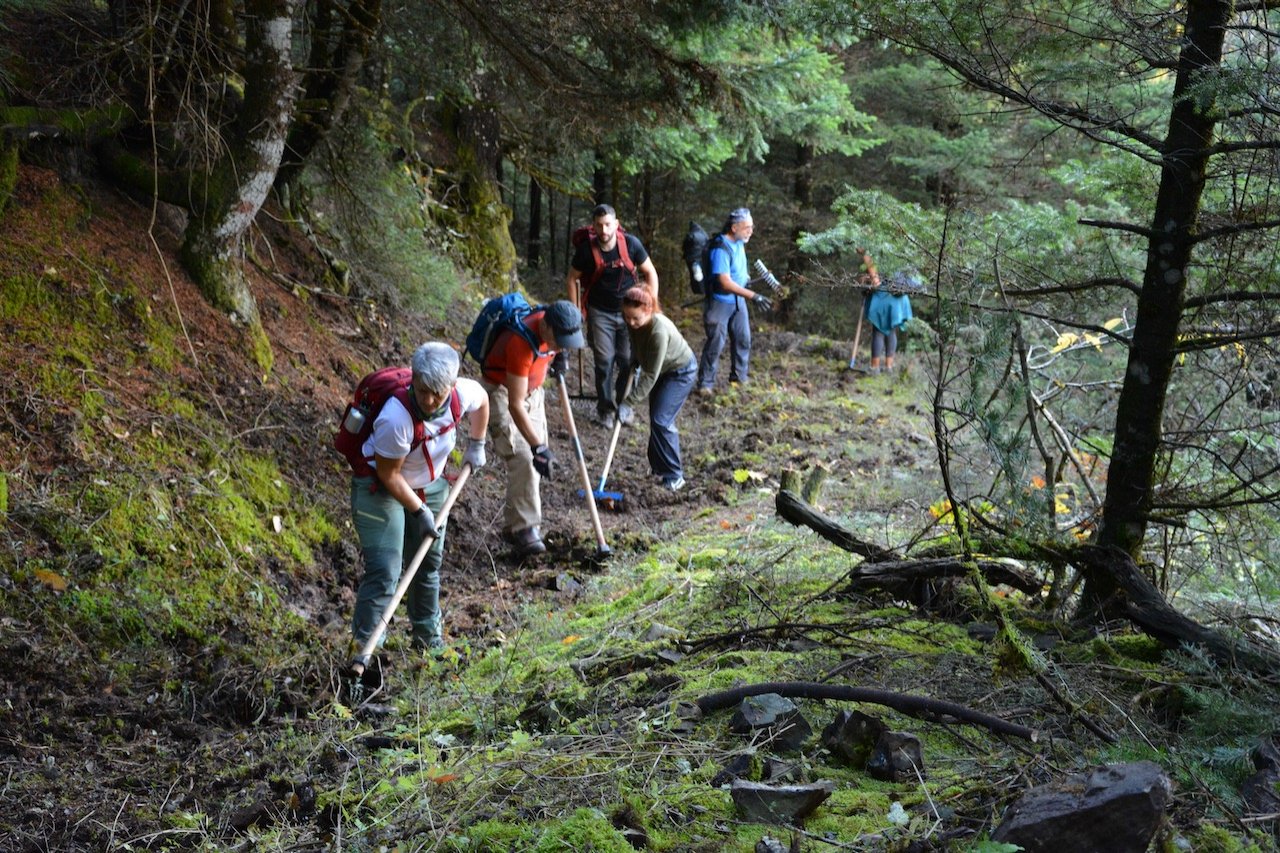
(626,414)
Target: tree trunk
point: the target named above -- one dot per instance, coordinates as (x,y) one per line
(236,187)
(474,129)
(802,197)
(1138,429)
(598,180)
(330,79)
(533,251)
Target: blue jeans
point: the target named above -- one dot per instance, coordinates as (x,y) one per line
(387,543)
(611,346)
(725,321)
(665,400)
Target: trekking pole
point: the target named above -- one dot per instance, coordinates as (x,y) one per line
(602,548)
(361,661)
(857,335)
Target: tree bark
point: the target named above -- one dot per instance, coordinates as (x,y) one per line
(238,184)
(339,45)
(1138,428)
(474,129)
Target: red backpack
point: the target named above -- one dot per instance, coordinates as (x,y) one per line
(371,395)
(588,232)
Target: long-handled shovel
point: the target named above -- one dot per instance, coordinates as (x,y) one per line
(361,661)
(857,335)
(602,548)
(613,500)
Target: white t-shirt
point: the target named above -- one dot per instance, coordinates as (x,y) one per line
(392,435)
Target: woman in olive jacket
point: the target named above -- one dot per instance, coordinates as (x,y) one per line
(667,371)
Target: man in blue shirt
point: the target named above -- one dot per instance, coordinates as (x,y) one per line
(725,313)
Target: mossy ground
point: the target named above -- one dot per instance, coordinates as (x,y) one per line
(179,571)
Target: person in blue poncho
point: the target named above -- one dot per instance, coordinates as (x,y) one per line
(887,310)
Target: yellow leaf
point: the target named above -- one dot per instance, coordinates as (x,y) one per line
(1113,324)
(53,580)
(571,639)
(1095,341)
(1065,340)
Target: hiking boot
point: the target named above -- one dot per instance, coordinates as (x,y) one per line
(428,644)
(673,484)
(705,392)
(605,420)
(528,542)
(626,414)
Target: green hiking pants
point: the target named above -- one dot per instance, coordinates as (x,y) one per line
(388,543)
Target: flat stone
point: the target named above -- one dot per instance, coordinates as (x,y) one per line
(1116,808)
(780,804)
(658,631)
(774,717)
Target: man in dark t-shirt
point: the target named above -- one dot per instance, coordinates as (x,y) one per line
(602,270)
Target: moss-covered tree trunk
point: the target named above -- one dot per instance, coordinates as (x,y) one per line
(235,188)
(473,128)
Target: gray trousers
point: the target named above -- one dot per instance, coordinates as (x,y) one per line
(611,346)
(725,321)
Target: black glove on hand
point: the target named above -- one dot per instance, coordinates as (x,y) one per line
(544,461)
(762,301)
(425,519)
(560,364)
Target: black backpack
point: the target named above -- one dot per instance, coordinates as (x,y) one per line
(696,249)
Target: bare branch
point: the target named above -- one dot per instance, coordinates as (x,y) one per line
(1119,226)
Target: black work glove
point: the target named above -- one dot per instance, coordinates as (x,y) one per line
(425,521)
(762,301)
(560,364)
(544,461)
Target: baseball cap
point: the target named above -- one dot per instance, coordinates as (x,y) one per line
(566,323)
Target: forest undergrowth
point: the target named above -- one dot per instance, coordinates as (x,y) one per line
(179,570)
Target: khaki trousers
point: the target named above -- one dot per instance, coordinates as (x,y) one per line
(524,501)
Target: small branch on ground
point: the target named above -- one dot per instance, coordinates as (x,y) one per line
(920,707)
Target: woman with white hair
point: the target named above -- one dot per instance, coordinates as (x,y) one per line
(394,509)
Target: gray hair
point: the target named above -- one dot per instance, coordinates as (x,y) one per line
(738,214)
(435,365)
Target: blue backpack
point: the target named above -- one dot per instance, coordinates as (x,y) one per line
(501,312)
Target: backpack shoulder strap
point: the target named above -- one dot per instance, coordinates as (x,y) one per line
(455,413)
(624,254)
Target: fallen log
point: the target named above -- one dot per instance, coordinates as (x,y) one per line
(920,707)
(794,509)
(906,575)
(887,570)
